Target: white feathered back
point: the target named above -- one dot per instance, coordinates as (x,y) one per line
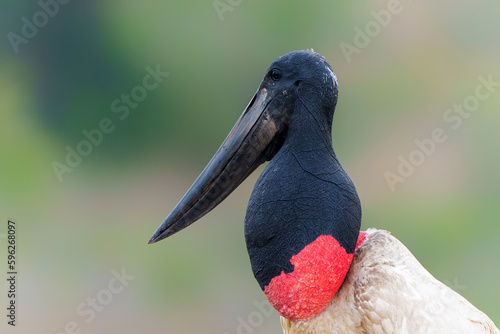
(388,291)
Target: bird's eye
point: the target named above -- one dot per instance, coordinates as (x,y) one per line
(275,74)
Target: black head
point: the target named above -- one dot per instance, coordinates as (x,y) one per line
(305,76)
(304,206)
(298,78)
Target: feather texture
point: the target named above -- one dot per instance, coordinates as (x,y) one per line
(388,291)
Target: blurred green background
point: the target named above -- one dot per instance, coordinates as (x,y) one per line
(393,90)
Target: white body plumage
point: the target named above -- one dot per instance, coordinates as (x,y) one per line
(388,291)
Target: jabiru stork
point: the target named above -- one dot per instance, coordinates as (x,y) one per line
(302,226)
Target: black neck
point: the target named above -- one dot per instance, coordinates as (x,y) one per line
(303,193)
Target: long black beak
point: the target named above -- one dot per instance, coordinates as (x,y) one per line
(248,145)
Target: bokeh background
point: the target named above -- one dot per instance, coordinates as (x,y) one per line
(396,89)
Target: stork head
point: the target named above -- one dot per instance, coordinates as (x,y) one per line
(304,215)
